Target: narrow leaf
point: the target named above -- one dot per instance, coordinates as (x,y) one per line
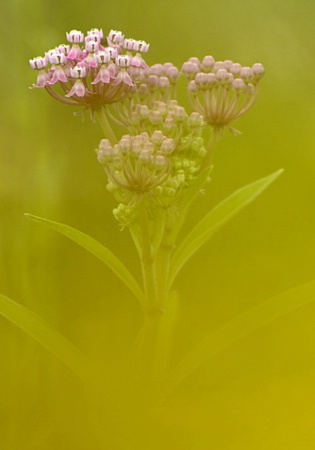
(98,250)
(239,327)
(216,218)
(46,335)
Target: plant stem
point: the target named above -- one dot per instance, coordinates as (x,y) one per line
(151,354)
(161,266)
(147,261)
(216,134)
(105,125)
(152,351)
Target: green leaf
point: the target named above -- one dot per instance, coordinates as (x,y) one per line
(46,335)
(98,250)
(215,219)
(239,327)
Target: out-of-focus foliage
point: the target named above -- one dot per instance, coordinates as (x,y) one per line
(258,394)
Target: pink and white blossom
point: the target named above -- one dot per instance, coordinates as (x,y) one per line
(56,57)
(115,37)
(42,79)
(123,61)
(38,63)
(124,78)
(78,72)
(103,76)
(75,37)
(58,74)
(83,66)
(78,89)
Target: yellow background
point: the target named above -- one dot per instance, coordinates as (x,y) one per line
(257,395)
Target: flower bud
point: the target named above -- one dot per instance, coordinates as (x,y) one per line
(145,156)
(208,63)
(160,160)
(168,145)
(238,84)
(157,137)
(218,65)
(164,82)
(152,81)
(192,87)
(258,71)
(190,69)
(222,75)
(246,73)
(235,69)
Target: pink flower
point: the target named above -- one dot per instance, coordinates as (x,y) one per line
(128,44)
(65,49)
(42,79)
(38,63)
(115,37)
(143,47)
(78,89)
(75,37)
(138,61)
(56,57)
(103,75)
(123,77)
(75,52)
(78,71)
(86,69)
(96,32)
(58,74)
(91,48)
(123,61)
(112,51)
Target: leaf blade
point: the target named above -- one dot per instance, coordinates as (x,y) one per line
(46,335)
(98,250)
(216,218)
(239,327)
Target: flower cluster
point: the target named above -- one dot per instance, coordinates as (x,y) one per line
(221,91)
(153,166)
(164,151)
(89,73)
(137,163)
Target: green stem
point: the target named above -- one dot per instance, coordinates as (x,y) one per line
(147,261)
(216,134)
(105,125)
(162,265)
(151,354)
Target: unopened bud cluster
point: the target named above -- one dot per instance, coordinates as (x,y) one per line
(221,91)
(137,164)
(169,117)
(90,72)
(146,165)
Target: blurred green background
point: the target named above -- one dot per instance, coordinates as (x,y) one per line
(260,393)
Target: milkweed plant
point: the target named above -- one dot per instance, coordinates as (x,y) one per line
(157,162)
(157,158)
